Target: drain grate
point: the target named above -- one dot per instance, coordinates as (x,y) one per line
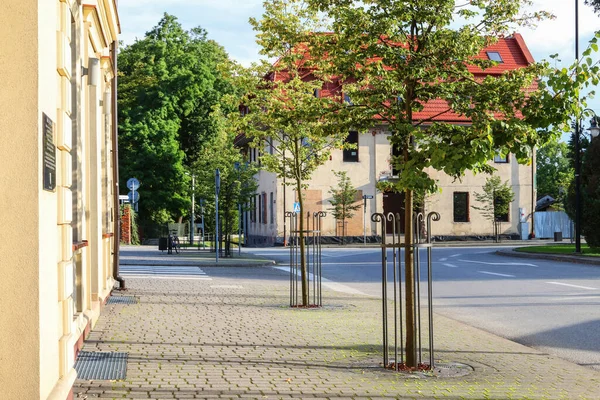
(91,365)
(121,300)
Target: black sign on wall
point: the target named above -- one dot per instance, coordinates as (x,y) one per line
(49,159)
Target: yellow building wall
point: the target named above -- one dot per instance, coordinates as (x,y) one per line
(40,327)
(19,201)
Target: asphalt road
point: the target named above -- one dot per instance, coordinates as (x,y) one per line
(551,306)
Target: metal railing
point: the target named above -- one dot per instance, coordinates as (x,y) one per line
(312,257)
(396,246)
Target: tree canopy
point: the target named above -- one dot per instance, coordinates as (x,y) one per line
(390,58)
(168,85)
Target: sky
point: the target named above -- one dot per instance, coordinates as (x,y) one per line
(226,22)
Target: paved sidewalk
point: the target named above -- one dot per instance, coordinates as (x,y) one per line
(235,337)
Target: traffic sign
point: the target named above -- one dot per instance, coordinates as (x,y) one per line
(297,207)
(133,184)
(133,197)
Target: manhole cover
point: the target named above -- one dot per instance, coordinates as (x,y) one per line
(451,370)
(92,365)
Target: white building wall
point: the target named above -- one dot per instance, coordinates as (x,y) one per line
(374,164)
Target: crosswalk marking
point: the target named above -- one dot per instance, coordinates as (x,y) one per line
(163,272)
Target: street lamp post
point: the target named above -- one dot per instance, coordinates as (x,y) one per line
(237,168)
(202,217)
(192,219)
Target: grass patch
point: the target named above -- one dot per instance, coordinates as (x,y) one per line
(568,249)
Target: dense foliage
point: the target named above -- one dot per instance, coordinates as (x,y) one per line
(554,171)
(168,85)
(590,191)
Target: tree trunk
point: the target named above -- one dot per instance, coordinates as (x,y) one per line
(411,339)
(303,267)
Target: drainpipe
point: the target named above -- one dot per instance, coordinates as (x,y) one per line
(115,162)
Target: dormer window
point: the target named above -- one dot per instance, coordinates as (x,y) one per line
(495,56)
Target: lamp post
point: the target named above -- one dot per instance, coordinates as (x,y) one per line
(237,168)
(217,190)
(192,219)
(202,216)
(594,131)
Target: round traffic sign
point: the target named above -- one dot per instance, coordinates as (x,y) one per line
(133,197)
(133,184)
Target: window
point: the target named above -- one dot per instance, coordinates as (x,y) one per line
(264,208)
(500,159)
(253,208)
(347,100)
(396,152)
(351,155)
(500,217)
(495,56)
(259,208)
(271,207)
(461,207)
(317,93)
(271,147)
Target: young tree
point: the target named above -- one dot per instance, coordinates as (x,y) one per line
(495,199)
(393,57)
(238,185)
(285,108)
(343,200)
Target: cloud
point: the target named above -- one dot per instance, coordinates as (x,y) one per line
(558,35)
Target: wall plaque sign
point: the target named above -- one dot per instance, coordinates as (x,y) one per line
(49,157)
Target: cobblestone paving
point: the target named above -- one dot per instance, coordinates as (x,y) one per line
(235,337)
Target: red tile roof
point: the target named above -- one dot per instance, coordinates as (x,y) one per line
(512,49)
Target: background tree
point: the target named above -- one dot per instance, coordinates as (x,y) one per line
(168,84)
(285,111)
(590,194)
(238,185)
(495,199)
(595,4)
(393,57)
(554,171)
(343,200)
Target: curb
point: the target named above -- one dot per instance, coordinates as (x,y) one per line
(191,263)
(552,257)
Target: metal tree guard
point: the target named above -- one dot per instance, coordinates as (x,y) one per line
(396,247)
(312,240)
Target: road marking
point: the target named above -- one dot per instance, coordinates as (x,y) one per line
(455,255)
(338,287)
(163,272)
(574,286)
(226,287)
(443,259)
(500,263)
(451,265)
(576,298)
(347,255)
(497,274)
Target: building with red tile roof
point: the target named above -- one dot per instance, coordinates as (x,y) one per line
(370,163)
